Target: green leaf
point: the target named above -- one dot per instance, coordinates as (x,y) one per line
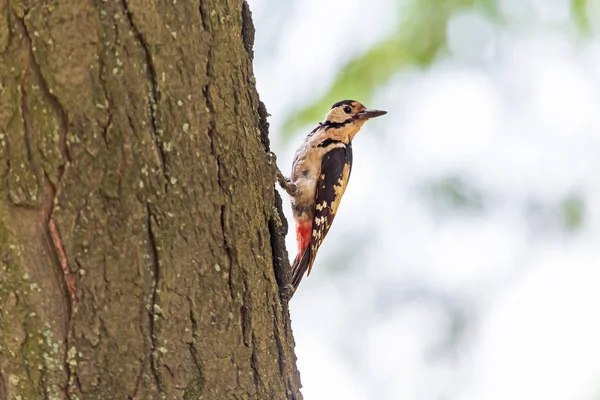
(578,12)
(572,210)
(418,39)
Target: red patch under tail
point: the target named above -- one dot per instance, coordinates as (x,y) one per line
(303,235)
(302,260)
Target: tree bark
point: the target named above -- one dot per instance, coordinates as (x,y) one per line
(141,241)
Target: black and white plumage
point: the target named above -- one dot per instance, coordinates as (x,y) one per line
(320,174)
(329,190)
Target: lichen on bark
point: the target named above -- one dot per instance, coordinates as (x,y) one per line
(141,244)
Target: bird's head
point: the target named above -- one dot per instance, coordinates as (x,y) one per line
(350,115)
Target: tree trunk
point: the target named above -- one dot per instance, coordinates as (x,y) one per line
(140,240)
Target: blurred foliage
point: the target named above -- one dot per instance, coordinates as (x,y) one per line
(460,322)
(572,211)
(578,11)
(419,37)
(567,214)
(453,193)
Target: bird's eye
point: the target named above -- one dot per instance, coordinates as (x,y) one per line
(347,109)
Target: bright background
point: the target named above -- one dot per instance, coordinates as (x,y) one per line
(465,259)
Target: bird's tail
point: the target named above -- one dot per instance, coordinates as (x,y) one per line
(300,265)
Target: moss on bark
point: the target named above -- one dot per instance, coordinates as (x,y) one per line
(140,251)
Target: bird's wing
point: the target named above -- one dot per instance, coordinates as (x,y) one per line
(332,182)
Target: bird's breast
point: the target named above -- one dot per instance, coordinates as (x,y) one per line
(307,187)
(305,173)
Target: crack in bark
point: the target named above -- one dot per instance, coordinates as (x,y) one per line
(204,19)
(211,131)
(68,282)
(25,111)
(142,361)
(254,364)
(24,107)
(102,79)
(138,380)
(2,387)
(193,350)
(51,224)
(246,317)
(227,254)
(205,91)
(77,381)
(198,384)
(62,257)
(153,306)
(213,148)
(54,233)
(154,92)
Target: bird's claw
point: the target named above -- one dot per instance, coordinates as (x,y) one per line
(271,158)
(284,182)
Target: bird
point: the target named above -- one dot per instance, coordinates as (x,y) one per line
(320,173)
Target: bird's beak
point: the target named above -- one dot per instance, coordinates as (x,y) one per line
(368,114)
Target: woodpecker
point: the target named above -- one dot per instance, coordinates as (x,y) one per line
(320,174)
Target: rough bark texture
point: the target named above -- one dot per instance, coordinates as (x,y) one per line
(140,240)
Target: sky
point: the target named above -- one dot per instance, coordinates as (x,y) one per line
(454,269)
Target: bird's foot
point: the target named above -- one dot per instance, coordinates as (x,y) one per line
(271,158)
(285,183)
